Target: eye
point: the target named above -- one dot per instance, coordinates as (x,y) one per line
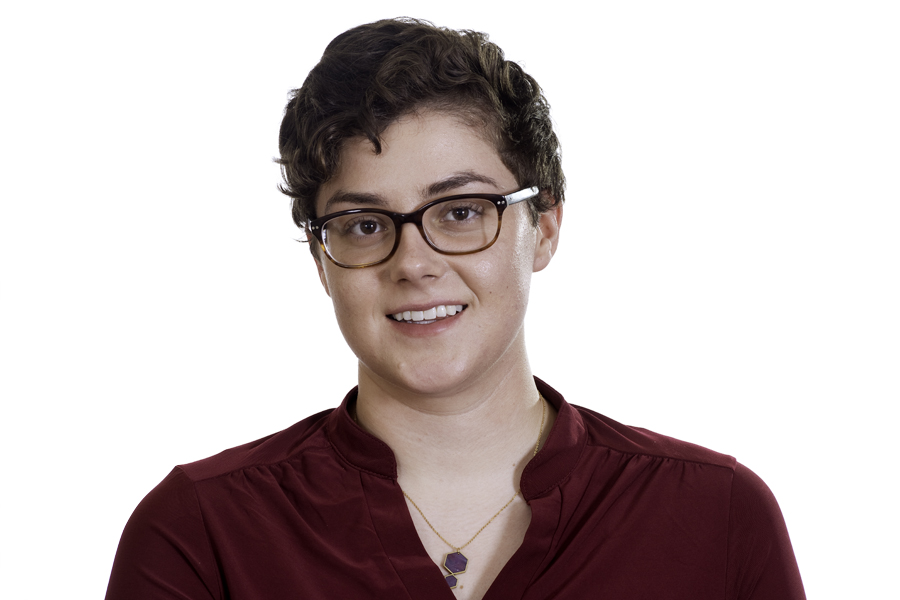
(461,211)
(364,225)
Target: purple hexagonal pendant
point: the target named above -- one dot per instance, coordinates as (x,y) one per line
(455,562)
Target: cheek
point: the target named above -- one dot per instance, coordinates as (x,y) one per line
(509,278)
(484,270)
(523,252)
(508,268)
(349,300)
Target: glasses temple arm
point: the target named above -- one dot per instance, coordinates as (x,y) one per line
(521,195)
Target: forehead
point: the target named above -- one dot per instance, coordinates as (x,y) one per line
(422,154)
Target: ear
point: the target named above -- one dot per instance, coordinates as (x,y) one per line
(317,257)
(547,237)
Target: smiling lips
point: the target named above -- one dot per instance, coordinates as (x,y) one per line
(424,317)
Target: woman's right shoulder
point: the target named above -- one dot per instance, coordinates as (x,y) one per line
(300,437)
(168,538)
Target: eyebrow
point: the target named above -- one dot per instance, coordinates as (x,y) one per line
(448,184)
(361,198)
(455,181)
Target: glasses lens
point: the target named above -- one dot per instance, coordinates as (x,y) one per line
(359,239)
(461,225)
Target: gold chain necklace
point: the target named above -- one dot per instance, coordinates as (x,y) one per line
(456,562)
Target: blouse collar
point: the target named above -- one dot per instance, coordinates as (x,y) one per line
(552,464)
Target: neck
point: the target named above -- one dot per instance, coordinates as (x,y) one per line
(482,433)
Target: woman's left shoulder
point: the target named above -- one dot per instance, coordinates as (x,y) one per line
(604,431)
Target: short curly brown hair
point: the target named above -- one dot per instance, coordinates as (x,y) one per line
(372,75)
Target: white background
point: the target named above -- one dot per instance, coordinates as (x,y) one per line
(728,271)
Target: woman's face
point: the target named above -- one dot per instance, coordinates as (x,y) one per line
(424,157)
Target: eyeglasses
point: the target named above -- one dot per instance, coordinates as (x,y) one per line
(461,224)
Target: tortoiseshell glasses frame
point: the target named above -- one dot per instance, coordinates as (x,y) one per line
(452,242)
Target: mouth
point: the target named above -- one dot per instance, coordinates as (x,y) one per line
(431,315)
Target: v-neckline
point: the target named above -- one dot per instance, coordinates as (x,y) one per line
(421,577)
(396,531)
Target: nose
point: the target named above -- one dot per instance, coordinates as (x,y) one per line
(414,259)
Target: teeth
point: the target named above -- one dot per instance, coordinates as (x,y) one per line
(436,312)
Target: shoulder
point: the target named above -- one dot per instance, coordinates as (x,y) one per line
(760,559)
(304,436)
(168,537)
(626,439)
(751,503)
(761,562)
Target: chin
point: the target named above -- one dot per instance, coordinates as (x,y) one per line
(424,381)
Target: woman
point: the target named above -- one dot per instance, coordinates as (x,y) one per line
(426,174)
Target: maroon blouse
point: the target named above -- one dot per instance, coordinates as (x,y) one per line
(315,512)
